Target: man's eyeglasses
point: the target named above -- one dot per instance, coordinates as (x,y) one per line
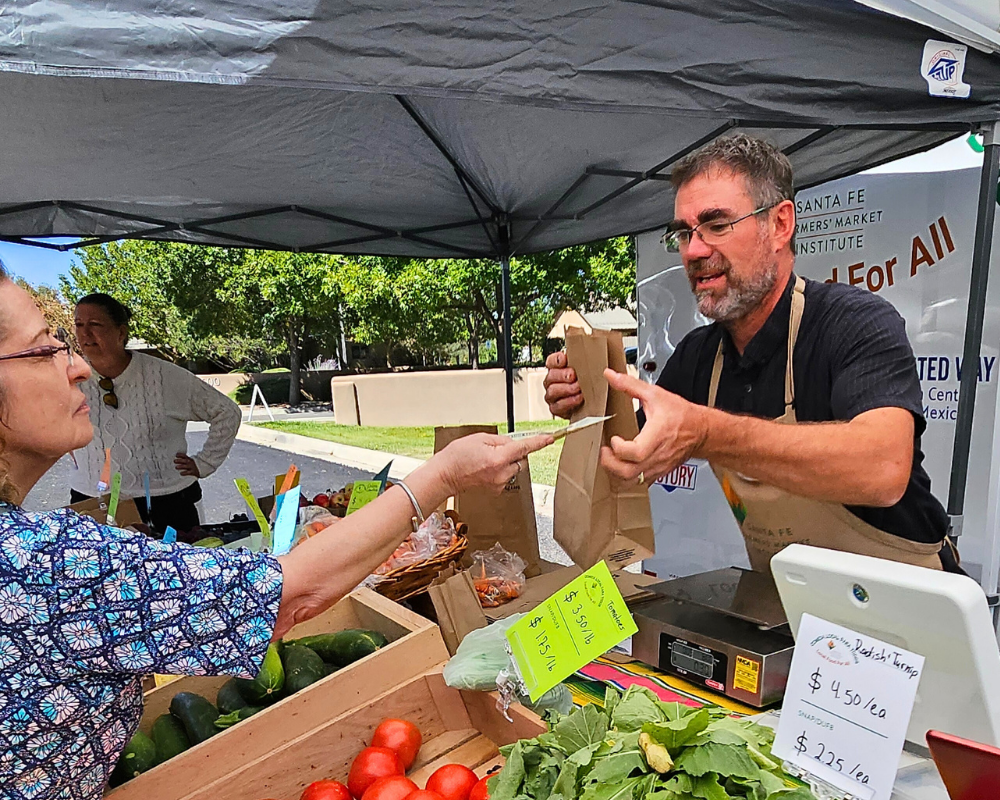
(110,398)
(46,351)
(712,232)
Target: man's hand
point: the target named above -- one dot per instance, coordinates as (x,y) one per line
(562,392)
(186,465)
(674,429)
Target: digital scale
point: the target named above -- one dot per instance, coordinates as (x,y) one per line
(725,630)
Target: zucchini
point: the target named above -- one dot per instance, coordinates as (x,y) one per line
(240,714)
(138,756)
(302,668)
(169,737)
(230,698)
(267,686)
(210,541)
(344,647)
(196,714)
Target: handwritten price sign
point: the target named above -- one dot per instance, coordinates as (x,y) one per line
(581,621)
(846,708)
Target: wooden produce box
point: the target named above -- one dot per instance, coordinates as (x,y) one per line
(457,727)
(415,646)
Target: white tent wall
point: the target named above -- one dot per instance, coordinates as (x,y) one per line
(974,22)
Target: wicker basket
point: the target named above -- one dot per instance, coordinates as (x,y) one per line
(404,582)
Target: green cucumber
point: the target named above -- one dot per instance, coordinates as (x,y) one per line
(267,686)
(138,756)
(196,714)
(230,698)
(210,541)
(302,668)
(240,714)
(169,737)
(344,647)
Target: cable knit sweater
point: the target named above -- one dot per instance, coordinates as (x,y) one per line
(156,399)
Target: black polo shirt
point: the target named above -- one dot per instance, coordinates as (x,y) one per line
(851,356)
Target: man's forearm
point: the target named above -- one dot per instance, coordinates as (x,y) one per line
(862,462)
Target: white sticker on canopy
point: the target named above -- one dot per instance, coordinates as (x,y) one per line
(942,67)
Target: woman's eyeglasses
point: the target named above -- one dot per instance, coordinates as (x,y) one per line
(46,351)
(110,398)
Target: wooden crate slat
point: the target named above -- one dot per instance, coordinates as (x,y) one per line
(472,753)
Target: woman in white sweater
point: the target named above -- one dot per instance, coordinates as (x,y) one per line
(140,407)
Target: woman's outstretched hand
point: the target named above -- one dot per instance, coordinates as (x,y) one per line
(486,460)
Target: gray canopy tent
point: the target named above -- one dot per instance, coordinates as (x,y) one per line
(450,128)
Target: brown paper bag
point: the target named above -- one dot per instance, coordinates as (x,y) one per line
(508,519)
(128,512)
(456,606)
(594,519)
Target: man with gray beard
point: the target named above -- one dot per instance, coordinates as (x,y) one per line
(802,396)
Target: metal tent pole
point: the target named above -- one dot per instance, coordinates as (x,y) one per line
(508,341)
(982,244)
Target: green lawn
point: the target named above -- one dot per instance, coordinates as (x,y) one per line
(417,442)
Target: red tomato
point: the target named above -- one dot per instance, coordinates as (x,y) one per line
(326,790)
(371,764)
(401,736)
(395,787)
(423,794)
(452,782)
(479,791)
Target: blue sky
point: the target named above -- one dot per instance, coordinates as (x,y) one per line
(37,265)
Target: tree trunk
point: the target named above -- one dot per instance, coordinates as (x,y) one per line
(295,378)
(474,350)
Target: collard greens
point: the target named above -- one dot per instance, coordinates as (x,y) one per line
(594,754)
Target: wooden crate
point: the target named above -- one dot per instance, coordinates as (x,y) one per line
(457,727)
(415,646)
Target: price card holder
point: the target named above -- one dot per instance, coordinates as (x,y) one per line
(847,705)
(244,489)
(116,491)
(284,525)
(279,482)
(169,535)
(580,622)
(363,493)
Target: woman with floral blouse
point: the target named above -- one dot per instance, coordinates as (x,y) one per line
(86,610)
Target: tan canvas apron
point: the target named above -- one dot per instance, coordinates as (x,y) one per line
(771,518)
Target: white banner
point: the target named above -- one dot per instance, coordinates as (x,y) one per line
(906,237)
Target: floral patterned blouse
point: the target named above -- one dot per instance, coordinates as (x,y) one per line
(85,611)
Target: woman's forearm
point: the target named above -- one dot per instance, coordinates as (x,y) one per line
(327,567)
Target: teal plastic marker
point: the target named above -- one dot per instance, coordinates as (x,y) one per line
(284,523)
(169,536)
(145,486)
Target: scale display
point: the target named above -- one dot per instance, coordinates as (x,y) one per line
(693,661)
(684,656)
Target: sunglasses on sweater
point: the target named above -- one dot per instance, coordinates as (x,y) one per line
(110,398)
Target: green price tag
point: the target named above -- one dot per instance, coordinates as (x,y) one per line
(362,494)
(116,490)
(580,622)
(254,506)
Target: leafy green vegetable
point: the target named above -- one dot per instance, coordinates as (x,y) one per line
(725,759)
(584,727)
(677,733)
(640,748)
(638,707)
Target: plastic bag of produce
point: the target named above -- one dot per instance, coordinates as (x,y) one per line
(482,656)
(313,520)
(498,576)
